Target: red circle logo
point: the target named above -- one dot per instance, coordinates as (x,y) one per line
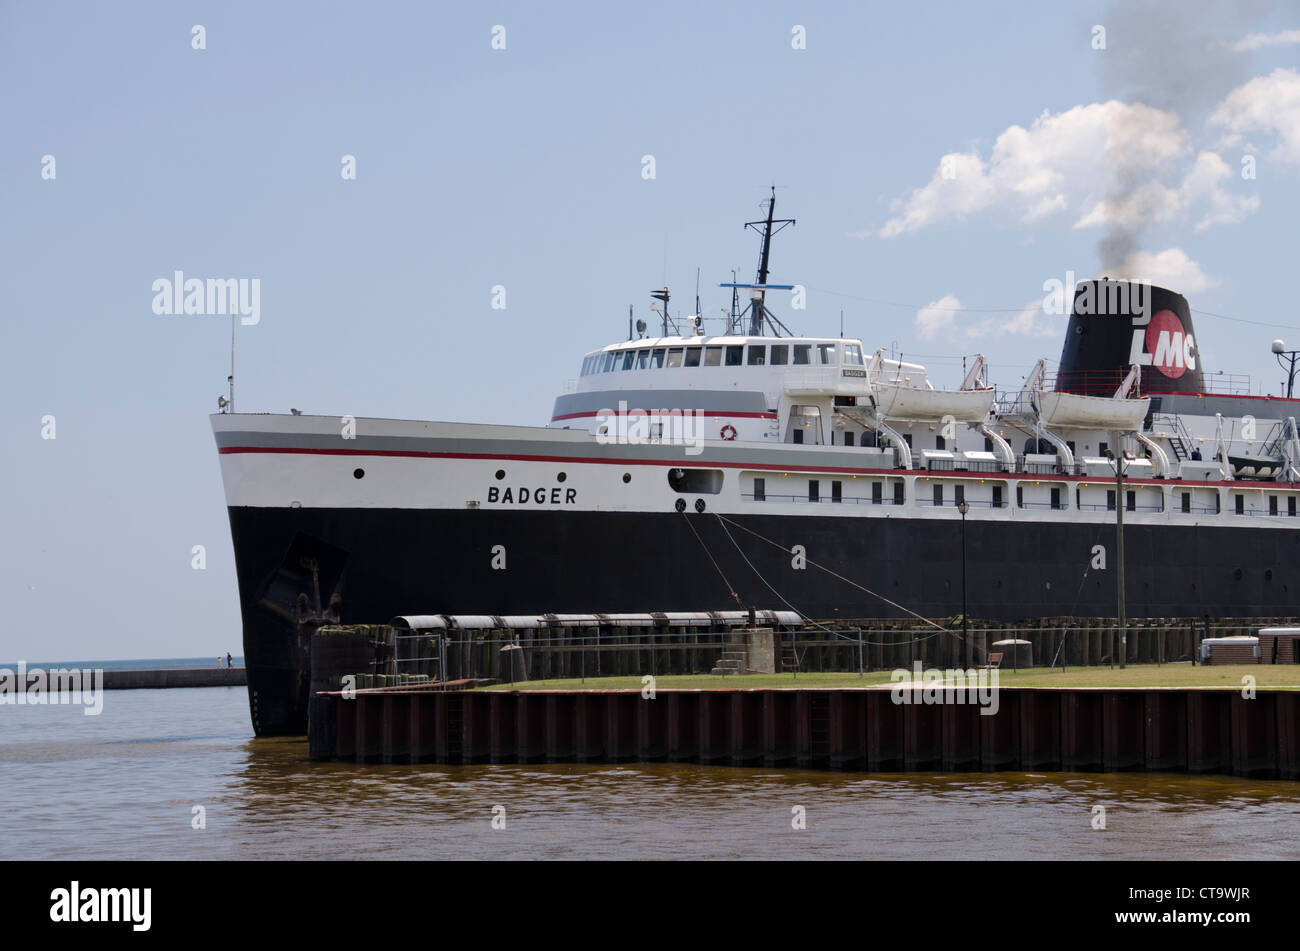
(728,431)
(1167,344)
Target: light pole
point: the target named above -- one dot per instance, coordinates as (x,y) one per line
(964,507)
(1119,555)
(1279,348)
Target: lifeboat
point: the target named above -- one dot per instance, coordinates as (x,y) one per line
(910,403)
(1090,412)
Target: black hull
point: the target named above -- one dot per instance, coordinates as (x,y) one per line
(405,561)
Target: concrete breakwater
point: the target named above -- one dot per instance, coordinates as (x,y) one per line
(175,677)
(1086,730)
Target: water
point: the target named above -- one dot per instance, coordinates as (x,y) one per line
(123,785)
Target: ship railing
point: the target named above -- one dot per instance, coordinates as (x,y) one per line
(1108,507)
(1041,468)
(962,465)
(776,497)
(953,503)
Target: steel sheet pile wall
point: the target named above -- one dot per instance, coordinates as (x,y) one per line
(1199,731)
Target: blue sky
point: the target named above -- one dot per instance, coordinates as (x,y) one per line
(522,167)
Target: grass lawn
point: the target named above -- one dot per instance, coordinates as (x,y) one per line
(1146,675)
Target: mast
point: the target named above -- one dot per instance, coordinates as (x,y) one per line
(757,307)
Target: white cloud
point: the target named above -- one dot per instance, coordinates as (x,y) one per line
(1034,321)
(1202,194)
(1108,165)
(1265,104)
(1062,162)
(947,318)
(1169,268)
(938,317)
(1255,41)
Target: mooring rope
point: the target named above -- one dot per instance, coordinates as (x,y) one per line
(778,594)
(712,559)
(788,551)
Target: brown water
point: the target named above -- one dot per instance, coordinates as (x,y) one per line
(123,784)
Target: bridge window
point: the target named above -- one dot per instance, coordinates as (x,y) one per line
(674,356)
(735,355)
(713,356)
(780,354)
(802,354)
(826,353)
(642,359)
(629,359)
(657,358)
(853,354)
(692,357)
(608,363)
(758,355)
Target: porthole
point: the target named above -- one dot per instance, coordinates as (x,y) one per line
(561,477)
(699,505)
(681,505)
(627,477)
(358,473)
(501,474)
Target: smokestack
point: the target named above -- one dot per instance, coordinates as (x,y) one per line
(1115,324)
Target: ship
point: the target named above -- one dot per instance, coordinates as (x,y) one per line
(749,467)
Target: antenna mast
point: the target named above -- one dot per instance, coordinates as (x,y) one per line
(757,306)
(734,324)
(231,379)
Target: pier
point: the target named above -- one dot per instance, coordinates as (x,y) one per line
(175,677)
(865,729)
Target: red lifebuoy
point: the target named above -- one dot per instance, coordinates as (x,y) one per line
(728,431)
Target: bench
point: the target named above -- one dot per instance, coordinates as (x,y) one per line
(994,661)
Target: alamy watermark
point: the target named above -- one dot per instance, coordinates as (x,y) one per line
(640,427)
(1097,298)
(58,686)
(213,297)
(930,686)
